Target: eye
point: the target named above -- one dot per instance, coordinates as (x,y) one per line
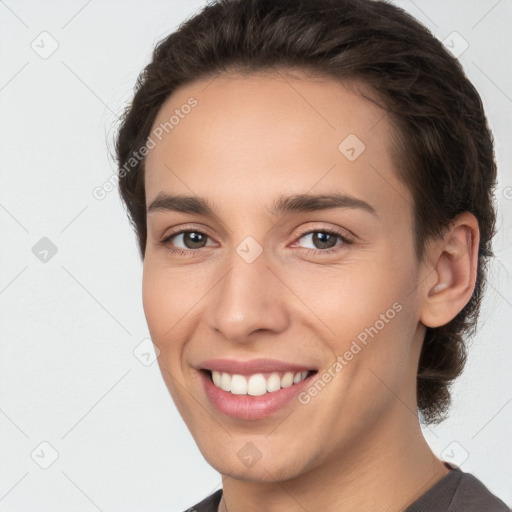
(185,243)
(320,241)
(191,239)
(324,241)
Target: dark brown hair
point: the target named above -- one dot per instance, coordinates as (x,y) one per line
(443,147)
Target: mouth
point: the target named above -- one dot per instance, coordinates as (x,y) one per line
(253,390)
(256,384)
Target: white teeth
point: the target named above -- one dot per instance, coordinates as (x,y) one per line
(287,380)
(216,378)
(238,385)
(225,382)
(257,384)
(274,382)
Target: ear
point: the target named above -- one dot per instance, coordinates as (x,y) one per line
(451,274)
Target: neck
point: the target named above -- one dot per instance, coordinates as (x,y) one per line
(391,465)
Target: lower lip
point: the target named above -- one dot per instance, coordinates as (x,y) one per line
(247,407)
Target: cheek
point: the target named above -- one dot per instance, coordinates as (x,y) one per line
(367,311)
(162,305)
(351,297)
(377,320)
(172,300)
(153,300)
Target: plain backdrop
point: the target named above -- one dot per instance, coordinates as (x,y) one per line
(86,423)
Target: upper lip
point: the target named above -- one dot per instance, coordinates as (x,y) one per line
(252,366)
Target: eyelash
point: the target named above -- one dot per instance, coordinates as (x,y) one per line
(192,252)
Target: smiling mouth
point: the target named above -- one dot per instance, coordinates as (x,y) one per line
(257,384)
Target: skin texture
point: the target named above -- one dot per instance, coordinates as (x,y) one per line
(250,139)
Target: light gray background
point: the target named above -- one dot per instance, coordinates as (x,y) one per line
(69,326)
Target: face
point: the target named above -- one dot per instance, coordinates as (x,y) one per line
(303,311)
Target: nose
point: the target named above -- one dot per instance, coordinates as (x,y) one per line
(249,298)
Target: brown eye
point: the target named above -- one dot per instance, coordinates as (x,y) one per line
(324,240)
(193,239)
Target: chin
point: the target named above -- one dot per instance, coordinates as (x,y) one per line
(267,469)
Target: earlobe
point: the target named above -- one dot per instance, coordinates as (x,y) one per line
(452,279)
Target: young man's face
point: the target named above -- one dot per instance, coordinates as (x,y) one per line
(253,285)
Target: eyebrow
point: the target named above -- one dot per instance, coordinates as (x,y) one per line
(283,204)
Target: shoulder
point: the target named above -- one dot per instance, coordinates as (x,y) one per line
(209,504)
(458,492)
(472,494)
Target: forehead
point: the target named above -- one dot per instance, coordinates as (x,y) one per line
(273,132)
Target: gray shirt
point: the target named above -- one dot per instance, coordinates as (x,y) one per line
(457,491)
